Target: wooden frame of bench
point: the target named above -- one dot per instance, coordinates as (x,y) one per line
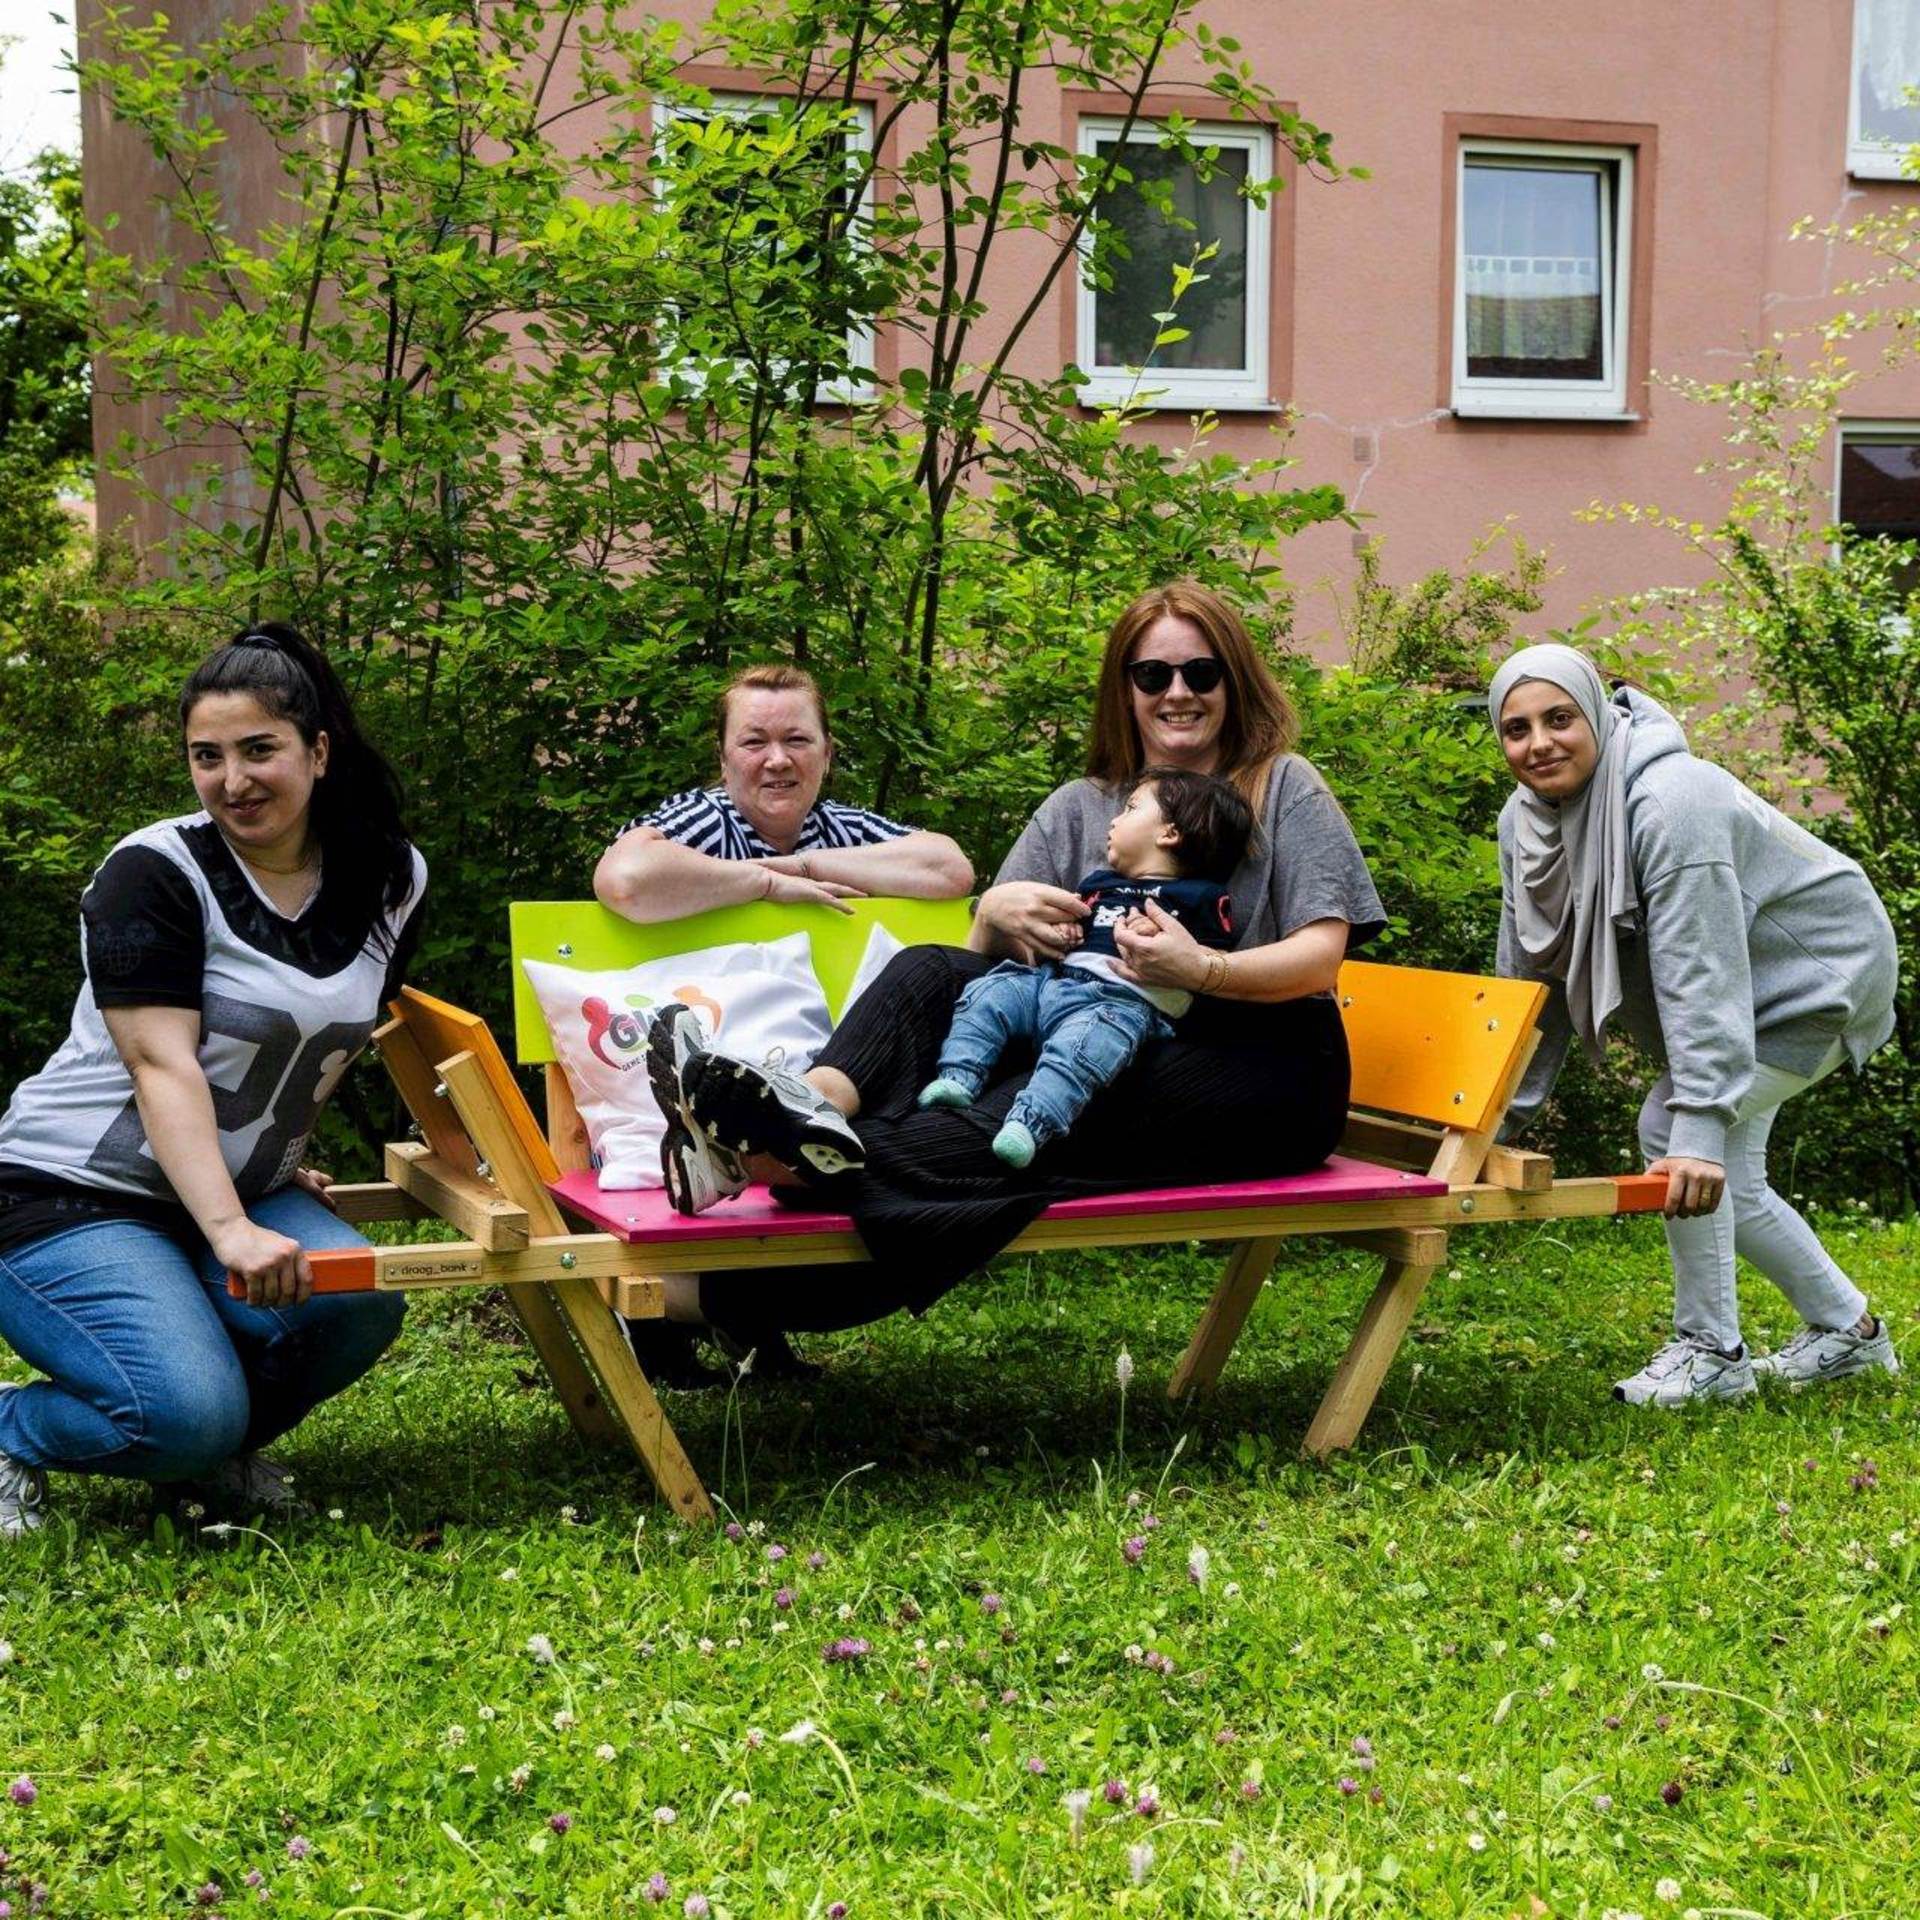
(1436,1060)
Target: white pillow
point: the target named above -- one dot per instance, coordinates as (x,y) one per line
(750,997)
(881,947)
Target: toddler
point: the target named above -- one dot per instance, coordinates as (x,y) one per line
(1175,841)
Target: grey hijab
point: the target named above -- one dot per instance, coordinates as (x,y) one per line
(1573,888)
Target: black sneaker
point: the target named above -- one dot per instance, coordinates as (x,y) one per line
(666,1353)
(749,1109)
(699,1174)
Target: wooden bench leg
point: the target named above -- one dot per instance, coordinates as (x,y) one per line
(1225,1314)
(579,1392)
(597,1327)
(1343,1412)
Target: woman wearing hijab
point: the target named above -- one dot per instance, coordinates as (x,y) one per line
(1744,955)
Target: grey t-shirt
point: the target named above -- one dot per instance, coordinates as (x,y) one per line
(1306,865)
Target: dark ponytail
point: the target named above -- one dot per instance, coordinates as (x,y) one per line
(366,856)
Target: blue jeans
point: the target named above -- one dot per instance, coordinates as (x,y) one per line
(1087,1029)
(154,1373)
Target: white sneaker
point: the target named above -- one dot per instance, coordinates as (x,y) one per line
(1685,1370)
(23,1490)
(1816,1354)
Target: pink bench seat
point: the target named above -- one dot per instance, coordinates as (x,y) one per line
(642,1216)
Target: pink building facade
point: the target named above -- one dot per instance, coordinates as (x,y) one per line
(1565,202)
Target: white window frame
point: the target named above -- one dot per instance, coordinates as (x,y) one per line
(1897,432)
(1867,159)
(1603,399)
(1243,388)
(859,137)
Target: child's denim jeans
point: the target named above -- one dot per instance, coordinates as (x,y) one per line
(1087,1029)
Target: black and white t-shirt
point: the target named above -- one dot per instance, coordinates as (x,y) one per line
(172,919)
(705,819)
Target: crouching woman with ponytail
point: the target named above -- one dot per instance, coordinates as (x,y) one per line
(235,961)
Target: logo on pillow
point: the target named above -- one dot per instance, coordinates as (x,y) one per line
(630,1035)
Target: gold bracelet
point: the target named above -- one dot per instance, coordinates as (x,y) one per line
(1217,971)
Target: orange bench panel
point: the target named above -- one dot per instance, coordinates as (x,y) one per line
(1434,1046)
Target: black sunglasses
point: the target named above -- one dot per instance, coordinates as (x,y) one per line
(1201,674)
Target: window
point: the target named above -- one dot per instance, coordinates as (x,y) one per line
(1167,210)
(746,239)
(1544,249)
(1882,122)
(1877,493)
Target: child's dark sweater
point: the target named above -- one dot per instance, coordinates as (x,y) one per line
(1203,907)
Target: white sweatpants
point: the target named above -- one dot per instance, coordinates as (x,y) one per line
(1751,1221)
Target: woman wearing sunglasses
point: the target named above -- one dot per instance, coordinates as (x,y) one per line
(1254,1083)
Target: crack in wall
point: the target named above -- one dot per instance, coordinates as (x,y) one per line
(1378,430)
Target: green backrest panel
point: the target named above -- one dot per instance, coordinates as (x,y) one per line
(582,933)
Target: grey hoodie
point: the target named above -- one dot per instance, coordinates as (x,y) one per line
(1755,941)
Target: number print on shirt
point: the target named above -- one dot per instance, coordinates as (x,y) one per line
(268,1083)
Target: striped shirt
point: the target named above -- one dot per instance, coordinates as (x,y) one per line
(706,819)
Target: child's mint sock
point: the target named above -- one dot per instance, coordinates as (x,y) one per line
(946,1093)
(1015,1145)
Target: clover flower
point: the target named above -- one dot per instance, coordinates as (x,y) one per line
(1133,1551)
(816,1560)
(299,1847)
(541,1648)
(1114,1792)
(560,1822)
(776,1553)
(837,1911)
(207,1895)
(1035,1764)
(665,1816)
(783,1599)
(23,1793)
(1147,1803)
(1076,1804)
(1666,1888)
(846,1650)
(695,1906)
(1673,1793)
(991,1603)
(657,1887)
(736,1532)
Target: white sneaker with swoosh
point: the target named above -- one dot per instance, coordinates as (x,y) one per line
(1686,1370)
(1817,1354)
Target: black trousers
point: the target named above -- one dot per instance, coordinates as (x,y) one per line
(1242,1092)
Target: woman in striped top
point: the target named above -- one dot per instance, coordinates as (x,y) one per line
(764,833)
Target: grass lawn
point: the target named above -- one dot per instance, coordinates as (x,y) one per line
(1523,1652)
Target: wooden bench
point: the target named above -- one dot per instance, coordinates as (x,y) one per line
(1436,1059)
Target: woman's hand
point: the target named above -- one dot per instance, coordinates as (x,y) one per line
(312,1180)
(1157,951)
(793,885)
(271,1267)
(1034,920)
(1693,1186)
